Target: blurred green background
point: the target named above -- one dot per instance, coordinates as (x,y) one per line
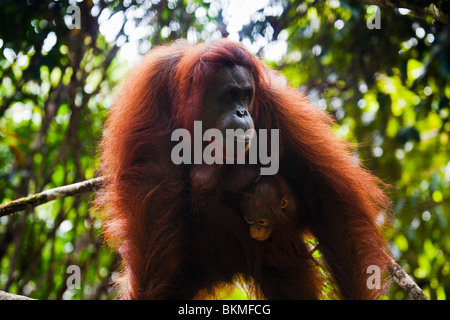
(388,89)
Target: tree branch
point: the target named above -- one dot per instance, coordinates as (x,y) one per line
(438,9)
(9,296)
(49,195)
(405,282)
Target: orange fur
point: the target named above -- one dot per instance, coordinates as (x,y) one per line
(169,246)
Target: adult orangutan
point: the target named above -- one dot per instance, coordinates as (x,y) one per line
(183,227)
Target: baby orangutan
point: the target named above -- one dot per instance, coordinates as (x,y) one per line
(269,204)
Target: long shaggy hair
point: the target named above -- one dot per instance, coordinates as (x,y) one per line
(146,200)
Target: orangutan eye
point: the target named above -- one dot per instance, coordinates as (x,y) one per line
(248,95)
(232,95)
(263,222)
(248,220)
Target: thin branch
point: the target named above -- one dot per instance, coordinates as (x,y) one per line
(9,296)
(49,195)
(406,282)
(439,10)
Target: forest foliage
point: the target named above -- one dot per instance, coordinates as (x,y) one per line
(388,89)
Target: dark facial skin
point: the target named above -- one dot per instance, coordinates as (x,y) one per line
(228,104)
(259,207)
(228,101)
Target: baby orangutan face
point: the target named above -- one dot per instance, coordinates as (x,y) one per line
(266,200)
